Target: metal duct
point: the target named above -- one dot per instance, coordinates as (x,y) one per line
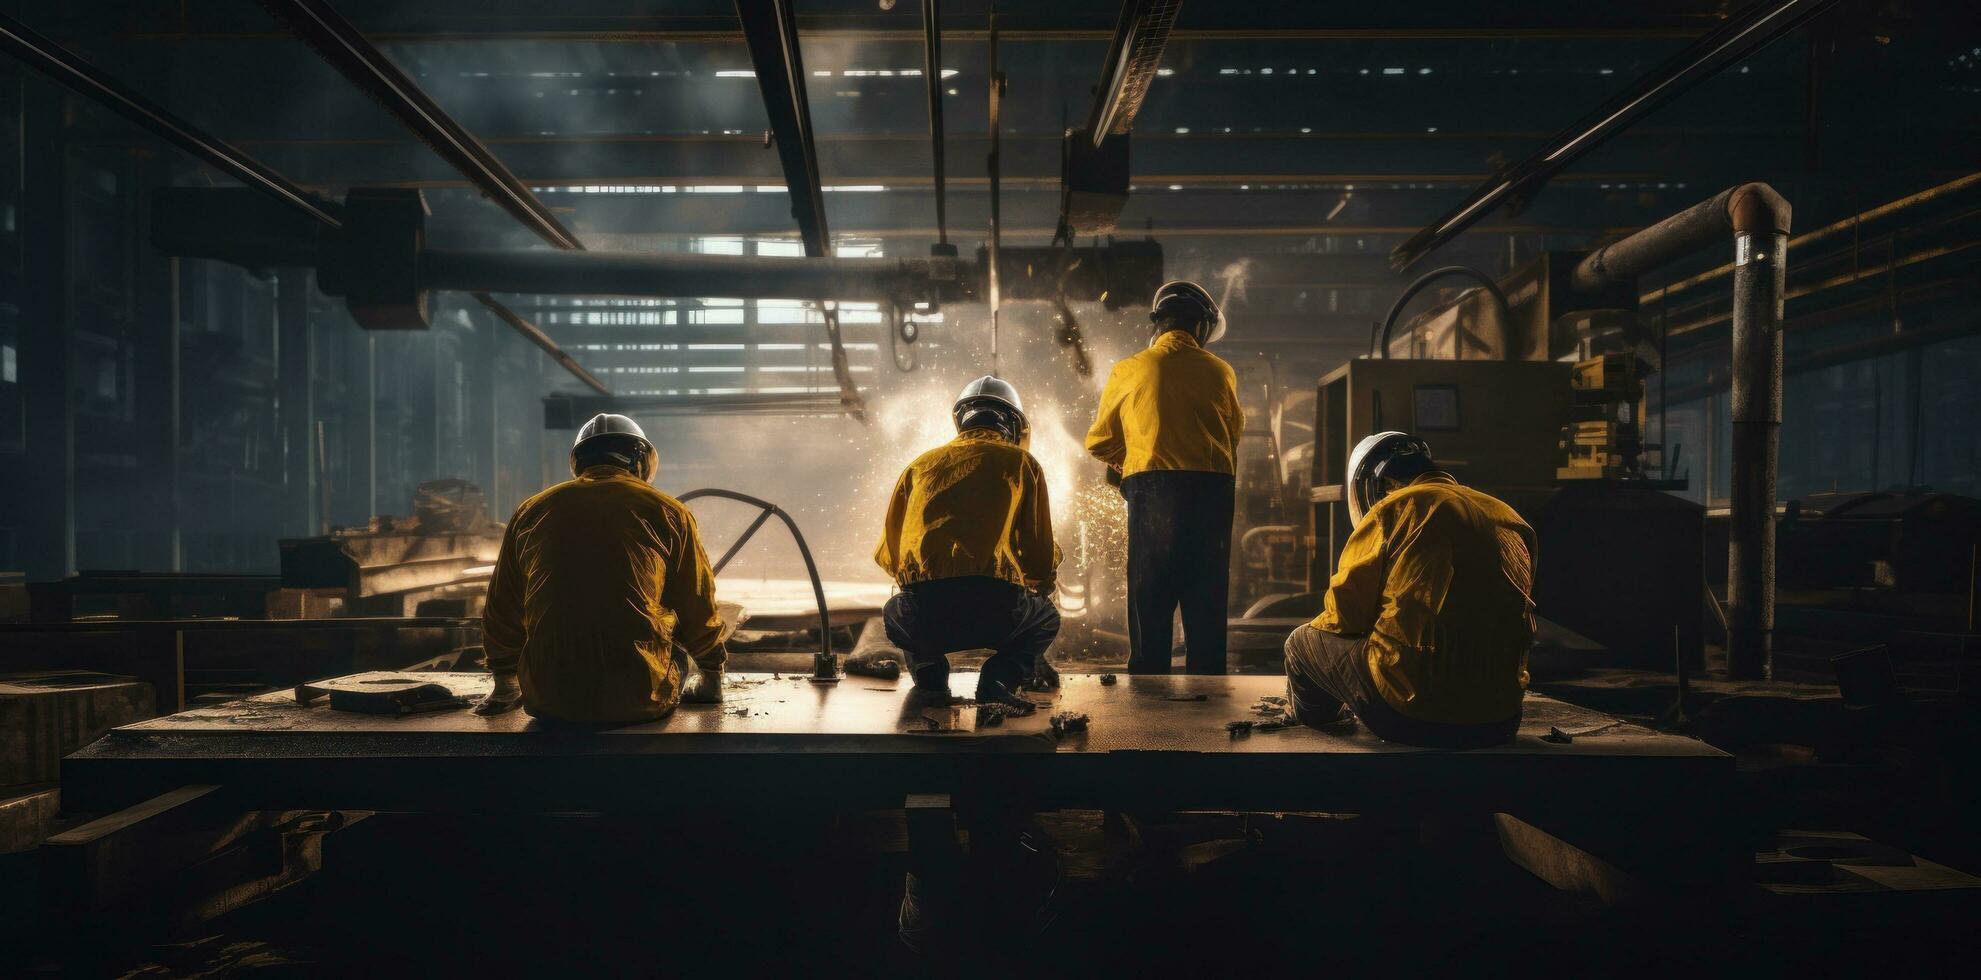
(653,274)
(1758,219)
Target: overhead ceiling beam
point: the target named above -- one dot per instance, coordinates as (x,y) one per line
(357,59)
(780,71)
(1093,161)
(84,79)
(866,35)
(1133,55)
(1744,33)
(772,35)
(932,75)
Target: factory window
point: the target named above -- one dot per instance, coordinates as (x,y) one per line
(716,316)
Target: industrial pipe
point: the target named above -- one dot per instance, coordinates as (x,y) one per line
(825,664)
(1758,218)
(651,274)
(1389,322)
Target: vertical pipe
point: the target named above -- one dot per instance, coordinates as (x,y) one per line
(1760,266)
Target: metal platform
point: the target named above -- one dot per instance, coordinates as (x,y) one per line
(1150,739)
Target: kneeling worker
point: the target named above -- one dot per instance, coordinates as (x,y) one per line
(1424,631)
(969,541)
(599,578)
(1168,426)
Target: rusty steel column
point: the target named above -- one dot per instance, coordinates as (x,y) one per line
(1760,264)
(1758,218)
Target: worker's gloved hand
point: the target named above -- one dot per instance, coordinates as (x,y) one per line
(505,696)
(703,688)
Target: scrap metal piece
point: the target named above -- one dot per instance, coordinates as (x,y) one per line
(1240,728)
(887,670)
(1069,723)
(1107,680)
(1557,736)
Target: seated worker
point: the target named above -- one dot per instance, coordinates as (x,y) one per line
(1424,631)
(969,541)
(598,580)
(1168,426)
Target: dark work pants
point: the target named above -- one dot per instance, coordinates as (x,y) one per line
(1179,553)
(1325,671)
(930,620)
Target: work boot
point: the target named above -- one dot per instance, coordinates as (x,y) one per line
(992,691)
(1045,677)
(930,697)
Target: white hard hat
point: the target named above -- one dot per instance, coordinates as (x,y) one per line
(1371,462)
(603,426)
(994,393)
(1182,298)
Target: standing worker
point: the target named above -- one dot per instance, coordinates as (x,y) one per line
(1168,425)
(969,541)
(599,579)
(1424,631)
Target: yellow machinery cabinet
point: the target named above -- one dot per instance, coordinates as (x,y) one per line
(1493,424)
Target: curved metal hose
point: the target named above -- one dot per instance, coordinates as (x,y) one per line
(1417,285)
(811,568)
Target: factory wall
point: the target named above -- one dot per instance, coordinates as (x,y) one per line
(182,415)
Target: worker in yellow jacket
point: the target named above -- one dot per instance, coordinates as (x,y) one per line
(969,542)
(1424,631)
(601,608)
(1168,426)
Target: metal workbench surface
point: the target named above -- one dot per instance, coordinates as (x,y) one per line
(784,741)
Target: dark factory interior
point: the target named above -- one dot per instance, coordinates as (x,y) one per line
(989,488)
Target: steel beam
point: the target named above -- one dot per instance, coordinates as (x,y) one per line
(84,79)
(772,35)
(1132,58)
(357,59)
(932,74)
(673,274)
(1744,33)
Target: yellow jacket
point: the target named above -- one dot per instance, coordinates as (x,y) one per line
(598,576)
(976,506)
(1171,407)
(1440,577)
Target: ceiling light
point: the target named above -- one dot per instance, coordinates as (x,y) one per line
(736,73)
